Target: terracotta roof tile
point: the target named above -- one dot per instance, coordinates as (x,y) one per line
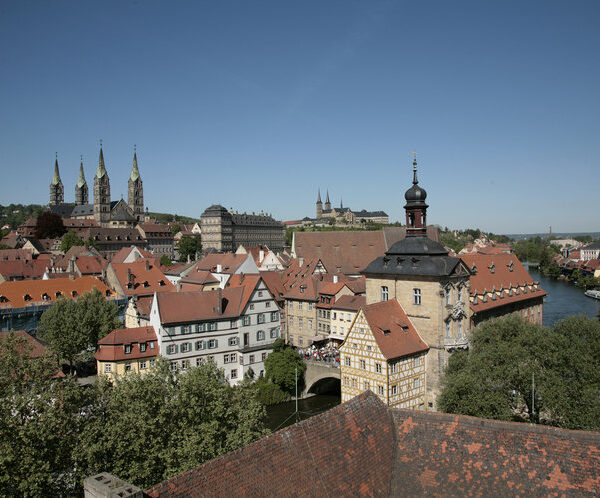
(350,303)
(183,307)
(142,278)
(112,347)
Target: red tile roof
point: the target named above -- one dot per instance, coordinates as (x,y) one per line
(395,334)
(16,255)
(13,294)
(183,307)
(91,265)
(350,303)
(142,279)
(229,262)
(198,276)
(36,348)
(392,452)
(33,269)
(274,283)
(112,347)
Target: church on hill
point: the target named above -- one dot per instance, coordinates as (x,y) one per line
(345,215)
(105,212)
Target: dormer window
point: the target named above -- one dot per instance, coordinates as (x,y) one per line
(107,292)
(474,269)
(45,296)
(74,293)
(510,266)
(475,299)
(3,299)
(492,268)
(127,348)
(58,294)
(143,347)
(161,283)
(484,298)
(146,284)
(27,297)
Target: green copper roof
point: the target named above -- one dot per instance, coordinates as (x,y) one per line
(56,177)
(81,180)
(101,171)
(135,172)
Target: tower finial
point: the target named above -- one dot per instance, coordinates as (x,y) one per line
(415,180)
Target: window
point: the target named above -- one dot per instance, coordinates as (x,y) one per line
(251,358)
(291,319)
(128,367)
(353,382)
(128,349)
(199,345)
(291,305)
(198,362)
(384,293)
(299,305)
(185,347)
(261,318)
(366,385)
(213,343)
(417,296)
(233,341)
(251,306)
(233,324)
(273,333)
(263,356)
(417,383)
(417,361)
(378,367)
(234,373)
(143,365)
(107,368)
(392,368)
(310,324)
(225,358)
(171,349)
(394,390)
(460,293)
(363,364)
(380,390)
(186,329)
(459,329)
(152,363)
(447,297)
(300,322)
(246,320)
(348,361)
(143,347)
(185,364)
(260,293)
(301,341)
(447,329)
(310,306)
(274,316)
(260,335)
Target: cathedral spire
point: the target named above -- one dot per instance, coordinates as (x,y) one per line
(319,197)
(327,200)
(56,178)
(81,181)
(101,171)
(135,172)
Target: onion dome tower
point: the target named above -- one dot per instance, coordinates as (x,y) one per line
(416,208)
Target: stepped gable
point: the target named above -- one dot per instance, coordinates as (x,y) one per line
(362,447)
(349,252)
(345,451)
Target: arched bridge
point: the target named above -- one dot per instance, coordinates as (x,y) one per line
(321,377)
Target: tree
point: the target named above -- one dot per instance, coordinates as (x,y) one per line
(165,260)
(175,229)
(181,420)
(40,424)
(60,328)
(494,378)
(69,240)
(188,246)
(49,226)
(280,367)
(73,328)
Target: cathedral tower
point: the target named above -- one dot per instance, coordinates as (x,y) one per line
(57,190)
(135,190)
(101,192)
(81,188)
(327,203)
(319,206)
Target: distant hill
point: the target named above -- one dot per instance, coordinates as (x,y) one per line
(16,214)
(167,217)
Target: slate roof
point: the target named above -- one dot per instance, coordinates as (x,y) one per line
(364,448)
(83,210)
(415,255)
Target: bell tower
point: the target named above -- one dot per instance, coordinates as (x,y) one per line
(416,208)
(101,192)
(135,189)
(81,188)
(57,190)
(319,206)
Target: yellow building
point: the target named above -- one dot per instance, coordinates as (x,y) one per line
(343,312)
(126,351)
(384,353)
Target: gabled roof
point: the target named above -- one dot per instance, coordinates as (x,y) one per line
(183,307)
(23,293)
(112,347)
(229,262)
(248,282)
(199,277)
(141,278)
(349,303)
(123,253)
(33,269)
(16,254)
(395,334)
(91,265)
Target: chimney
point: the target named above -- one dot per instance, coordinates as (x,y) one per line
(335,279)
(300,262)
(219,268)
(147,265)
(129,277)
(219,301)
(71,276)
(71,265)
(241,277)
(261,256)
(178,286)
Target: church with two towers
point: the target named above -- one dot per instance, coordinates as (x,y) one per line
(104,211)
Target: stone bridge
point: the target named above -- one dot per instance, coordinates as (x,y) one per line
(321,377)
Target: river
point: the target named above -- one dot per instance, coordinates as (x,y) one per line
(563,300)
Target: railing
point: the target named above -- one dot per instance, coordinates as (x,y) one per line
(324,362)
(456,342)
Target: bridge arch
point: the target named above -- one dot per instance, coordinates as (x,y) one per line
(321,377)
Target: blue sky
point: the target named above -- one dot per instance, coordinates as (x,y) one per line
(256,104)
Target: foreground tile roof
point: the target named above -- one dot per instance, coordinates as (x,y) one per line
(362,447)
(112,347)
(141,278)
